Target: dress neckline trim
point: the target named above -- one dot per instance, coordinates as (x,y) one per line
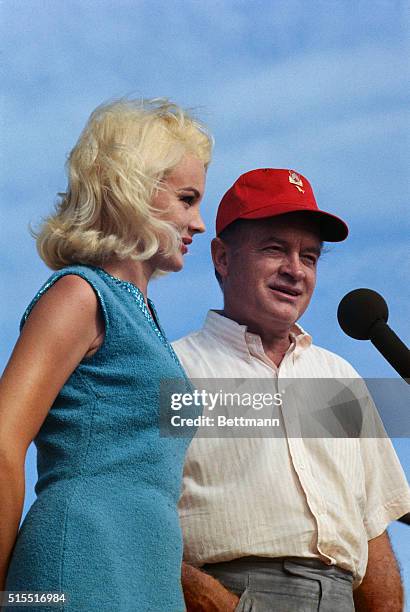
(139,298)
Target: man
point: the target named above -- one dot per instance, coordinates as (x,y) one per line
(283,523)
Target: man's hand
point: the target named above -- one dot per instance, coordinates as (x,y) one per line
(205,594)
(381,589)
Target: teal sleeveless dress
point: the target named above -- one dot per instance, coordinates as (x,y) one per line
(104,528)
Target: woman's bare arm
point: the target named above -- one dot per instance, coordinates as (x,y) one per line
(63,327)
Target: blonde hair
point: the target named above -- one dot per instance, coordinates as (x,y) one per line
(126,148)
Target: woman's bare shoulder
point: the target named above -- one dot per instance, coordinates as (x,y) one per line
(60,331)
(70,298)
(71,287)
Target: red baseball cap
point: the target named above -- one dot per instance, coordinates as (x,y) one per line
(269,192)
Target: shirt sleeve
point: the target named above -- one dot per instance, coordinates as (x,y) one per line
(387,489)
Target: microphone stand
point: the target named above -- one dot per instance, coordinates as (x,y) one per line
(391,347)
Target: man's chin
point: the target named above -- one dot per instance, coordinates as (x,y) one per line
(285,316)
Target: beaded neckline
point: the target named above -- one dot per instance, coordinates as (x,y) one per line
(139,298)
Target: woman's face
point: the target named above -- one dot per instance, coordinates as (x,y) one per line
(179,198)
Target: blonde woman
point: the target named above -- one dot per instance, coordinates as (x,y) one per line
(83,380)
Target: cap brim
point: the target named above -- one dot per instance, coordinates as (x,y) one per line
(332,229)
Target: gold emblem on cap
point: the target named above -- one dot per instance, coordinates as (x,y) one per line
(296,180)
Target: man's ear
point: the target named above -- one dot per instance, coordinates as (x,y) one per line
(220,256)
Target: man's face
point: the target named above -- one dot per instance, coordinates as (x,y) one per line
(270,272)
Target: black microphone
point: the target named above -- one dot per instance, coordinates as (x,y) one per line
(363,314)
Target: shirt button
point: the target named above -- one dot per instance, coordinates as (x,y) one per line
(301,466)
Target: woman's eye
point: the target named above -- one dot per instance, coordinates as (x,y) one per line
(189,200)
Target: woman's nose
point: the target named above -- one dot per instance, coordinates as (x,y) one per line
(197,225)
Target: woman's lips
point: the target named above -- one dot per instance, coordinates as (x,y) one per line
(186,240)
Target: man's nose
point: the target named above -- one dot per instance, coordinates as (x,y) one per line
(197,225)
(292,266)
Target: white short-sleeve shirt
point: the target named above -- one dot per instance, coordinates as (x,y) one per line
(288,496)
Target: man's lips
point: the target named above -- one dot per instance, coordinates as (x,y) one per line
(291,293)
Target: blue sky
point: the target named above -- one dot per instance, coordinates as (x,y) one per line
(320,87)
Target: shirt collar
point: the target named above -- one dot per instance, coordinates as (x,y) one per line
(239,339)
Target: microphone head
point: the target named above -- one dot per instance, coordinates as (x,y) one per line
(359,310)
